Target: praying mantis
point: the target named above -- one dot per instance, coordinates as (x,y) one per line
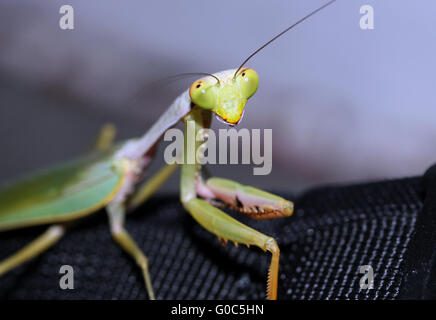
(111,177)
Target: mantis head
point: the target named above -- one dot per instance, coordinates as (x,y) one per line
(225,93)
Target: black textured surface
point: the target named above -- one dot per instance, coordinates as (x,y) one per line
(333,231)
(419,280)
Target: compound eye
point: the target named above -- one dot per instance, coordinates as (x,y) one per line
(203,94)
(248,81)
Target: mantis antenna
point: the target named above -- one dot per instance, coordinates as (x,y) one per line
(282,33)
(187,74)
(141,93)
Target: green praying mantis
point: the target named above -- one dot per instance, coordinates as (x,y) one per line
(111,177)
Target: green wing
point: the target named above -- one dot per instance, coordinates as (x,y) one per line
(60,193)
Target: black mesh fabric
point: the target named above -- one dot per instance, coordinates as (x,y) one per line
(333,232)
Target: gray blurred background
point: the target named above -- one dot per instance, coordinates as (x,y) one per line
(345,105)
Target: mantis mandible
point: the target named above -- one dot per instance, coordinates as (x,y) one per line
(111,177)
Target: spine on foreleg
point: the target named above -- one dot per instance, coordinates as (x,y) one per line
(253,202)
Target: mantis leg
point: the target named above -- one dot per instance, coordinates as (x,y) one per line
(105,137)
(116,214)
(226,228)
(36,247)
(146,190)
(253,202)
(213,219)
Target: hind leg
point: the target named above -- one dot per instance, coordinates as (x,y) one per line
(149,187)
(116,214)
(33,249)
(106,137)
